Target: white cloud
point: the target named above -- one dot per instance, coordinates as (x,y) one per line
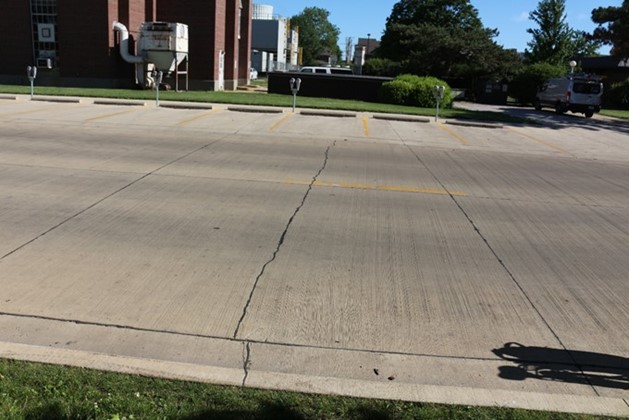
(522,17)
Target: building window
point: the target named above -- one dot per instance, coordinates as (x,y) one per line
(44,20)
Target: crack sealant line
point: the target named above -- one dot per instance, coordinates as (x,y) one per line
(281,241)
(91,206)
(509,273)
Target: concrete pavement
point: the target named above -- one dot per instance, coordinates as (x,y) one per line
(353,255)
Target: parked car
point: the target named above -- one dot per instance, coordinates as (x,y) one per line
(327,70)
(575,93)
(253,73)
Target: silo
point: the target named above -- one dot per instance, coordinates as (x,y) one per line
(262,12)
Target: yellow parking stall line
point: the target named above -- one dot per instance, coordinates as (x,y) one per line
(282,121)
(365,126)
(198,117)
(540,141)
(457,137)
(375,187)
(113,114)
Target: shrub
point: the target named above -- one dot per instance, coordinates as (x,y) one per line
(617,96)
(409,89)
(381,67)
(524,86)
(396,92)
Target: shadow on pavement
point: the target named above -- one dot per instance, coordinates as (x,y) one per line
(550,119)
(596,369)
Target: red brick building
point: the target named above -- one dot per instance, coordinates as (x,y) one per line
(83,49)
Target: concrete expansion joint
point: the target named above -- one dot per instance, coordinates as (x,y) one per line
(506,269)
(281,241)
(524,293)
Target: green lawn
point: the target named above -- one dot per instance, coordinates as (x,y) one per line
(616,113)
(262,99)
(39,391)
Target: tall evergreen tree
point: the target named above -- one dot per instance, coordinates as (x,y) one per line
(613,28)
(554,41)
(553,37)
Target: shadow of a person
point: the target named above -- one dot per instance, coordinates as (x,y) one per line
(544,363)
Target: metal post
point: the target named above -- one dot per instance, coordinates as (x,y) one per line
(438,92)
(437,116)
(295,85)
(31,72)
(158,81)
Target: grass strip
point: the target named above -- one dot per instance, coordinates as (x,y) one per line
(42,391)
(616,113)
(261,99)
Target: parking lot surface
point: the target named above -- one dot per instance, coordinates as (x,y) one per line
(346,254)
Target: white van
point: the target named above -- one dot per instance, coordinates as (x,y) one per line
(575,93)
(327,70)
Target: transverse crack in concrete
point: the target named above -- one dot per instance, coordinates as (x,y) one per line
(506,269)
(282,238)
(246,361)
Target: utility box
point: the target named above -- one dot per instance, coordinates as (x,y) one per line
(492,92)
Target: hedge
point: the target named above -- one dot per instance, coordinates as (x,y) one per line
(413,90)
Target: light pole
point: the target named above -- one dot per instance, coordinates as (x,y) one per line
(572,64)
(368,43)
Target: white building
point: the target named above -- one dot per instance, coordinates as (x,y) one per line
(274,44)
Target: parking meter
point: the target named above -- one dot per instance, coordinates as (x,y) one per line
(438,92)
(295,85)
(157,76)
(31,72)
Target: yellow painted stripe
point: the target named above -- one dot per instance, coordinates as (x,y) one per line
(540,141)
(452,133)
(375,187)
(365,126)
(282,121)
(198,117)
(113,114)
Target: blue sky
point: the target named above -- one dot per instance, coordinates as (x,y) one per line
(358,18)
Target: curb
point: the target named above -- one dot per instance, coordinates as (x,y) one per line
(396,117)
(118,102)
(8,97)
(58,99)
(473,124)
(258,110)
(184,105)
(317,384)
(329,114)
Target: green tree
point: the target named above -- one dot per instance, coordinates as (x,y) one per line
(524,85)
(443,38)
(317,35)
(613,28)
(554,41)
(584,45)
